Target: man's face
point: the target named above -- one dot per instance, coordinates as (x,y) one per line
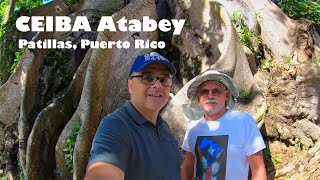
(149,97)
(212,97)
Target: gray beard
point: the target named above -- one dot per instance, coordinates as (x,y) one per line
(209,112)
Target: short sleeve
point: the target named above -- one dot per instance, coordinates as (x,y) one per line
(186,145)
(111,143)
(254,141)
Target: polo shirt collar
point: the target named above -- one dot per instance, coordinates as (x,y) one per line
(136,116)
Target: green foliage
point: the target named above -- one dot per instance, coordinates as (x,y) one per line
(17,59)
(267,64)
(178,40)
(9,46)
(276,159)
(21,175)
(4,178)
(286,59)
(170,51)
(68,151)
(243,31)
(185,13)
(163,34)
(266,153)
(315,61)
(61,57)
(73,2)
(190,68)
(188,23)
(250,39)
(9,35)
(297,9)
(244,96)
(20,6)
(267,156)
(196,65)
(3,8)
(26,5)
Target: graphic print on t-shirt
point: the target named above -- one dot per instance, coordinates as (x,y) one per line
(211,154)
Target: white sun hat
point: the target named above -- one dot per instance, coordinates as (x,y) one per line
(191,109)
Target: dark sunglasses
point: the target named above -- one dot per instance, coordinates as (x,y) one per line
(150,79)
(205,92)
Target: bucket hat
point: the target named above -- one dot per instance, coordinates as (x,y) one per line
(192,110)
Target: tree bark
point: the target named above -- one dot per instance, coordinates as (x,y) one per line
(100,83)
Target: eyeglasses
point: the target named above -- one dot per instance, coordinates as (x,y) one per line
(205,92)
(149,79)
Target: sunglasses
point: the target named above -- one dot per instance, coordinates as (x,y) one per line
(149,79)
(205,92)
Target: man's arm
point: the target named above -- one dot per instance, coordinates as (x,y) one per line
(101,171)
(187,166)
(257,166)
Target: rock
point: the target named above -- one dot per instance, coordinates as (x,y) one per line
(284,131)
(309,129)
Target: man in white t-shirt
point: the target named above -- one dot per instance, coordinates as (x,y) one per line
(224,142)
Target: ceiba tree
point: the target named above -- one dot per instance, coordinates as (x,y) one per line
(207,41)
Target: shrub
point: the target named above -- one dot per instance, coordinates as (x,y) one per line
(297,9)
(68,151)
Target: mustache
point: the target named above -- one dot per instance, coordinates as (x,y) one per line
(156,91)
(210,101)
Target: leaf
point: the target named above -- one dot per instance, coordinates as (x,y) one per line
(303,13)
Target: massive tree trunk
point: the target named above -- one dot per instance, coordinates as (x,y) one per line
(48,108)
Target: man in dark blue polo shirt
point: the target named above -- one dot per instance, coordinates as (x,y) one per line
(134,142)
